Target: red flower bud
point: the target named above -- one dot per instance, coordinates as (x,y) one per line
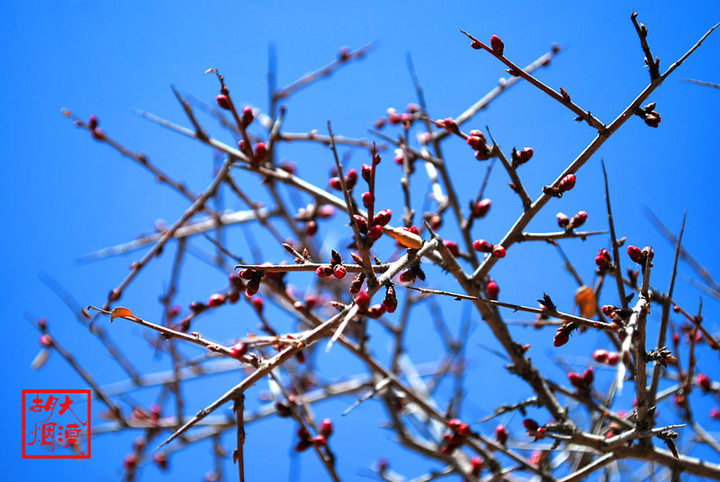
(576,379)
(600,356)
(161,460)
(247,116)
(464,430)
(452,247)
(45,340)
(497,45)
(376,311)
(715,413)
(579,219)
(613,358)
(368,200)
(635,254)
(239,350)
(260,152)
(383,217)
(311,228)
(588,376)
(258,304)
(501,434)
(563,220)
(703,381)
(477,464)
(482,246)
(477,142)
(524,155)
(223,101)
(395,118)
(335,183)
(530,425)
(390,301)
(339,271)
(351,178)
(498,252)
(492,288)
(216,300)
(375,232)
(454,424)
(567,183)
(93,122)
(366,172)
(363,301)
(450,124)
(324,271)
(481,208)
(561,337)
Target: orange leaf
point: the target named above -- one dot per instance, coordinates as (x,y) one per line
(585,298)
(406,238)
(121,312)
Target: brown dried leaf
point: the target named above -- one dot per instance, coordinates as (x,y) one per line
(585,298)
(406,238)
(122,312)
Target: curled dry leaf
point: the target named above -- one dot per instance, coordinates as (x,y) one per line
(40,359)
(122,312)
(406,238)
(585,299)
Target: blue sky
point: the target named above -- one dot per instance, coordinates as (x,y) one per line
(67,195)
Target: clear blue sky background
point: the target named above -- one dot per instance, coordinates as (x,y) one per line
(66,195)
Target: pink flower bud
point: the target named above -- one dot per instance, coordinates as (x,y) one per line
(452,247)
(366,172)
(324,271)
(238,350)
(501,434)
(351,178)
(247,116)
(375,232)
(498,252)
(335,183)
(563,220)
(600,356)
(579,219)
(223,102)
(216,300)
(260,152)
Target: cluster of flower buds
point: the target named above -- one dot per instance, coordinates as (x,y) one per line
(350,180)
(363,303)
(394,117)
(565,184)
(582,382)
(534,429)
(335,268)
(483,246)
(253,280)
(641,256)
(603,259)
(453,439)
(649,114)
(476,140)
(480,208)
(320,440)
(520,157)
(607,357)
(576,221)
